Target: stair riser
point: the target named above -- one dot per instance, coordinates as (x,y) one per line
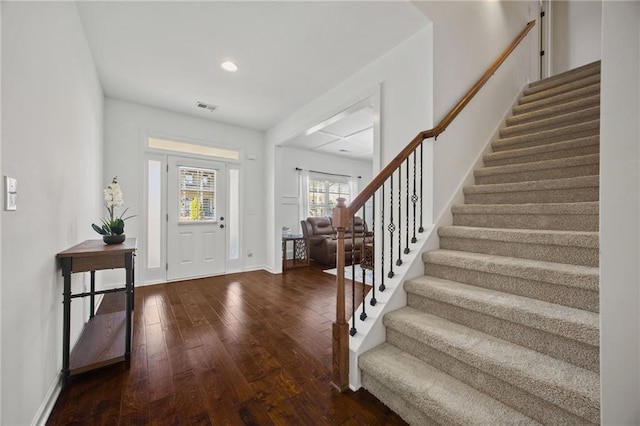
(561,99)
(557,222)
(553,111)
(547,253)
(554,91)
(573,195)
(545,174)
(583,130)
(500,281)
(564,78)
(490,161)
(515,397)
(407,411)
(562,348)
(551,123)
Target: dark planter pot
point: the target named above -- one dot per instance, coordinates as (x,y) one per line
(114,239)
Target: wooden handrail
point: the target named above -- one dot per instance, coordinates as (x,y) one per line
(381,178)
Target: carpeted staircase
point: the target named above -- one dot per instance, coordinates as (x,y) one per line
(503,328)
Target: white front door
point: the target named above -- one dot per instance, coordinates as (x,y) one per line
(196,228)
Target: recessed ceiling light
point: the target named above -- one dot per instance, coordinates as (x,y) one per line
(229,66)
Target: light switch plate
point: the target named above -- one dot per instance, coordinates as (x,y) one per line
(10,193)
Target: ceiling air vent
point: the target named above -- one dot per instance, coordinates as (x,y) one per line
(206,106)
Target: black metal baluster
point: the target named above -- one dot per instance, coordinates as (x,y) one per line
(353,330)
(421,229)
(406,206)
(399,261)
(414,198)
(382,286)
(363,314)
(373,250)
(391,227)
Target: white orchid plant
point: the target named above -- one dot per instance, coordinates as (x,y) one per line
(113,225)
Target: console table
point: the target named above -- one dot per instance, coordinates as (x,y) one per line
(106,339)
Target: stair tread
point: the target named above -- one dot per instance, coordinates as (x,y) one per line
(553,110)
(539,149)
(586,277)
(424,385)
(555,121)
(563,83)
(545,135)
(590,68)
(585,239)
(559,99)
(557,163)
(579,208)
(571,323)
(538,185)
(553,380)
(545,92)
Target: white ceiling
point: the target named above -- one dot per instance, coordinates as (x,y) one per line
(168,54)
(348,134)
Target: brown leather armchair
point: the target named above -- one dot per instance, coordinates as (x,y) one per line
(321,237)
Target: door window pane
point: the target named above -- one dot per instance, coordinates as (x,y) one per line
(197,194)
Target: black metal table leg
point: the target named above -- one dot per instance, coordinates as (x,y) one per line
(66,320)
(128,264)
(133,281)
(92,309)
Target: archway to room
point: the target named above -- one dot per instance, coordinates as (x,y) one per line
(334,157)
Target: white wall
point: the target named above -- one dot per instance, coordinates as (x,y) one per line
(0,220)
(403,75)
(307,160)
(126,127)
(620,214)
(468,37)
(575,34)
(52,112)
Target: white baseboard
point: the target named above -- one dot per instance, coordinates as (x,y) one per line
(47,405)
(258,268)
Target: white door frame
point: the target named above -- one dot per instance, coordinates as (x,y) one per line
(159,274)
(545,18)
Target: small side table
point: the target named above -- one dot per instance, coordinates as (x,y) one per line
(106,339)
(300,252)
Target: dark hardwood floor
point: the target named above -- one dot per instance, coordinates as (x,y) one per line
(239,349)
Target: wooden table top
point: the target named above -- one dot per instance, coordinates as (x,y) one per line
(93,247)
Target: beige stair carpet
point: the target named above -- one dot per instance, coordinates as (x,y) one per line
(503,328)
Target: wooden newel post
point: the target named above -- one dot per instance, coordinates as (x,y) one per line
(340,326)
